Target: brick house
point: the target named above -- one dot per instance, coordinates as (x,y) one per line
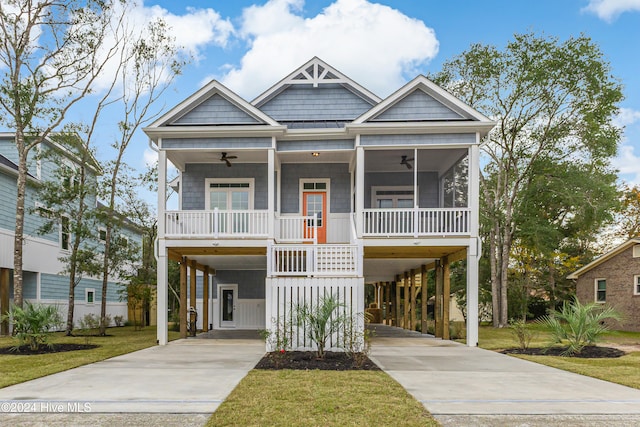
(614,279)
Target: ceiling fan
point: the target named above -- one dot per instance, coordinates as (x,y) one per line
(226,158)
(406,161)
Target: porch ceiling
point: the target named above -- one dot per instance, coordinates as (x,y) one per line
(245,258)
(388,160)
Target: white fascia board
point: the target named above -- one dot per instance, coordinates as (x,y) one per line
(214,131)
(314,134)
(289,80)
(210,89)
(604,257)
(421,82)
(408,128)
(10,171)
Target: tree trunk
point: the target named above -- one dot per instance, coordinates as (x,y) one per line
(72,289)
(19,229)
(495,285)
(504,271)
(105,278)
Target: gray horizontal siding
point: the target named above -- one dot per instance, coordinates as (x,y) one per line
(216,143)
(216,110)
(338,173)
(342,144)
(193,182)
(426,139)
(251,283)
(325,102)
(418,106)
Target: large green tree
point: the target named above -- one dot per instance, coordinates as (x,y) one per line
(553,102)
(51,53)
(71,206)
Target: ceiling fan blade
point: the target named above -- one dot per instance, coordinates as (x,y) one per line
(228,163)
(409,166)
(231,157)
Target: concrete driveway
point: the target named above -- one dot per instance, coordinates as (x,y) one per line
(190,376)
(460,385)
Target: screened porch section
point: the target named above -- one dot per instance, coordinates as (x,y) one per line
(416,192)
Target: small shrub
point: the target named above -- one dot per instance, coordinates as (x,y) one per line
(320,321)
(32,324)
(281,337)
(580,325)
(118,320)
(457,330)
(357,343)
(522,332)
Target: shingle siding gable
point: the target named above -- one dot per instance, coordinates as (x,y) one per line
(417,106)
(308,103)
(216,110)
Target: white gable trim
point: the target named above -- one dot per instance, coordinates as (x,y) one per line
(210,89)
(328,74)
(615,251)
(430,88)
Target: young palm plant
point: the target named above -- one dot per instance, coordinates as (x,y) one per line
(32,324)
(321,320)
(578,324)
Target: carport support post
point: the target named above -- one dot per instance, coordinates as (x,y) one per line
(396,310)
(4,300)
(423,298)
(162,298)
(414,302)
(183,298)
(407,302)
(205,300)
(446,297)
(437,312)
(387,303)
(192,290)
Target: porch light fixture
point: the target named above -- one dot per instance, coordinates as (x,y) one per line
(315,154)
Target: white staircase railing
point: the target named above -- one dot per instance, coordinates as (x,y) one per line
(313,260)
(297,229)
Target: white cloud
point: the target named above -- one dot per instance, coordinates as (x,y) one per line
(609,10)
(628,163)
(626,117)
(193,31)
(371,43)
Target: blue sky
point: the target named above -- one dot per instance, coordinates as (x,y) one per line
(250,45)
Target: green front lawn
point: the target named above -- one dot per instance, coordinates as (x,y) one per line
(19,368)
(623,370)
(320,398)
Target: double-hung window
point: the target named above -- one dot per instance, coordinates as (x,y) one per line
(601,290)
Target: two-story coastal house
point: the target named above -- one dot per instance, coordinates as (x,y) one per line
(315,187)
(43,278)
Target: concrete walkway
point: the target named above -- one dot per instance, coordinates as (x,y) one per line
(460,385)
(190,376)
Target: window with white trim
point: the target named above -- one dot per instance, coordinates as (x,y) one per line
(229,194)
(636,251)
(392,197)
(636,284)
(102,235)
(90,296)
(70,179)
(601,290)
(65,233)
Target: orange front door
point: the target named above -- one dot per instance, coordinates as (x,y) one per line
(316,203)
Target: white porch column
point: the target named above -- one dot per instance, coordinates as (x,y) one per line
(271,191)
(474,250)
(359,190)
(162,288)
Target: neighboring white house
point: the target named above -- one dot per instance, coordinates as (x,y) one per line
(317,186)
(42,278)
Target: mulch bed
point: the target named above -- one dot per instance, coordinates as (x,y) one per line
(308,360)
(589,352)
(44,349)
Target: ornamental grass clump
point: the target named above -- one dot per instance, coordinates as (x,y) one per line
(33,323)
(580,325)
(321,320)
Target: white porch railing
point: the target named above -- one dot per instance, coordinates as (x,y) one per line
(297,229)
(417,222)
(313,260)
(216,223)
